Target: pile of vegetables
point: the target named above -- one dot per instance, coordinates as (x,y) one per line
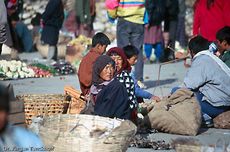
(42,70)
(14,70)
(17,69)
(63,68)
(81,39)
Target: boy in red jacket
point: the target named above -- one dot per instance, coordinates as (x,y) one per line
(99,44)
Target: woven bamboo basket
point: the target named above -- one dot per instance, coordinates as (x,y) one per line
(186,145)
(86,133)
(42,105)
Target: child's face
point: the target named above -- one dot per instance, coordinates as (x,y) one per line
(14,23)
(132,60)
(191,53)
(222,46)
(102,48)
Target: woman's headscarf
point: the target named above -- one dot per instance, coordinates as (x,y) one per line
(98,66)
(120,52)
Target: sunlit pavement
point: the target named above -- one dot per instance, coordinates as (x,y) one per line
(171,75)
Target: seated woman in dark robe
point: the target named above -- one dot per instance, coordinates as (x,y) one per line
(109,95)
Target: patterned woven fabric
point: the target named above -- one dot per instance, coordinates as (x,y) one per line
(2,34)
(125,78)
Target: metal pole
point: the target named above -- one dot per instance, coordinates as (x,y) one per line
(159,71)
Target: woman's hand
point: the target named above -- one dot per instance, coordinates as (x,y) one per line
(156,98)
(146,25)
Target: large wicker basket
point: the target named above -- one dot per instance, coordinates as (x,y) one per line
(86,133)
(43,105)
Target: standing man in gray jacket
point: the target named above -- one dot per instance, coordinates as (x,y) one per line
(3,22)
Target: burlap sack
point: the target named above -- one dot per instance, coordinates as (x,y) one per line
(177,114)
(222,120)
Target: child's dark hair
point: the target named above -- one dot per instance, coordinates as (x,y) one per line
(197,44)
(100,38)
(130,51)
(14,17)
(224,34)
(36,20)
(4,98)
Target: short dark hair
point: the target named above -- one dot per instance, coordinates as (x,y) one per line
(36,20)
(197,44)
(4,98)
(100,38)
(14,17)
(130,51)
(224,34)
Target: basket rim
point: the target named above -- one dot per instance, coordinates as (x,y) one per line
(33,94)
(61,117)
(39,96)
(54,125)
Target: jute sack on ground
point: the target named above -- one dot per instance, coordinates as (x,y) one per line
(222,120)
(178,114)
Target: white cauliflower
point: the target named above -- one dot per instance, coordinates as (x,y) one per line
(25,69)
(24,64)
(12,68)
(21,74)
(31,72)
(15,75)
(15,69)
(9,74)
(5,69)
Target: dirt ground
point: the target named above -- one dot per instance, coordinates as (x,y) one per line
(171,75)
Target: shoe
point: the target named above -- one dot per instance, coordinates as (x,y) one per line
(141,85)
(207,121)
(147,61)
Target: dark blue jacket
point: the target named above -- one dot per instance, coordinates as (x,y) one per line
(52,19)
(112,101)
